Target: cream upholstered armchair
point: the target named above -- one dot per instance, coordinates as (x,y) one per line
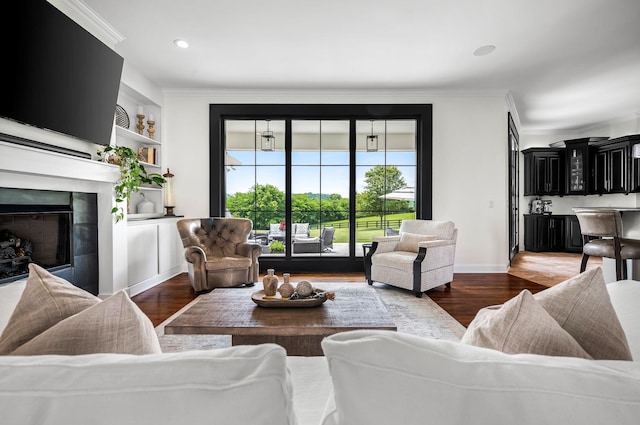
(218,252)
(419,258)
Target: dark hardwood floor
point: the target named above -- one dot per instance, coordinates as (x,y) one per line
(469,293)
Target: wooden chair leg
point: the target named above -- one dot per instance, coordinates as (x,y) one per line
(583,265)
(619,269)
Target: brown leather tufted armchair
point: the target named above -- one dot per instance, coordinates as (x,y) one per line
(218,253)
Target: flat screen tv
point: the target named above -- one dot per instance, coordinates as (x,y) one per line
(58,76)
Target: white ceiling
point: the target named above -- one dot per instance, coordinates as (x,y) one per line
(568,64)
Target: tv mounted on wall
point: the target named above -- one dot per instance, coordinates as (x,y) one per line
(58,76)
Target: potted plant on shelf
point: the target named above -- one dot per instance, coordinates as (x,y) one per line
(132,175)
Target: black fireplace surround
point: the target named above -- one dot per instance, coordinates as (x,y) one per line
(55,229)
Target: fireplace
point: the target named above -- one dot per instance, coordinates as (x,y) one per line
(57,230)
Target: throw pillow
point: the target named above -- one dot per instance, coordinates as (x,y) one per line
(46,300)
(582,306)
(521,326)
(115,325)
(409,241)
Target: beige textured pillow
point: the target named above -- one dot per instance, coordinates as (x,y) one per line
(46,300)
(409,241)
(581,305)
(521,326)
(115,325)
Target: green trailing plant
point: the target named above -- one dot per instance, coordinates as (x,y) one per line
(276,246)
(132,175)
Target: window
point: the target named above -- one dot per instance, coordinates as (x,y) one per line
(326,179)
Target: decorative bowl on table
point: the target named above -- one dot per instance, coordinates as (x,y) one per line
(317,298)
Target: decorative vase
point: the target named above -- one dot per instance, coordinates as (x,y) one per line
(270,284)
(146,207)
(286,289)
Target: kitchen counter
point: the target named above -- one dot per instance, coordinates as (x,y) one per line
(621,209)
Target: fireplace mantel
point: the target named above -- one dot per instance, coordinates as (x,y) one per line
(28,160)
(25,167)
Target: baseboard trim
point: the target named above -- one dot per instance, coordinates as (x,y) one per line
(154,281)
(480,268)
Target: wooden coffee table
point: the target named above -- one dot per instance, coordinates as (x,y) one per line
(230,311)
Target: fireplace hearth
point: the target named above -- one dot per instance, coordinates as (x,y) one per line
(54,229)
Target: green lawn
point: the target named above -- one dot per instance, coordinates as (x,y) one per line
(363,234)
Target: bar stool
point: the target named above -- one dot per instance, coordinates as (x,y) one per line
(602,237)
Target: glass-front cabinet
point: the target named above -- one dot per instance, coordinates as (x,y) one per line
(577,158)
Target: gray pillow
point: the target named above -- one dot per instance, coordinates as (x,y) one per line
(521,326)
(115,325)
(46,300)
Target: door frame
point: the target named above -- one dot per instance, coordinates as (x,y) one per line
(513,143)
(422,113)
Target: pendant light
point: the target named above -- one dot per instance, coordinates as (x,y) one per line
(372,141)
(268,140)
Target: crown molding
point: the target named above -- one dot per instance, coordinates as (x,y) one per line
(108,32)
(511,106)
(348,95)
(550,132)
(625,118)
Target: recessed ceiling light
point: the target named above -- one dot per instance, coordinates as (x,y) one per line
(181,43)
(484,50)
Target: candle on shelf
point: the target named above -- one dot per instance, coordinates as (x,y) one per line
(151,117)
(169,200)
(140,110)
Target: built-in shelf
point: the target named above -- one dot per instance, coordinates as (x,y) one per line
(132,135)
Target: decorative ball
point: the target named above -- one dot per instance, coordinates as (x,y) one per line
(304,288)
(285,290)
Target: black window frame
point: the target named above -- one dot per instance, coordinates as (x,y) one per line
(421,113)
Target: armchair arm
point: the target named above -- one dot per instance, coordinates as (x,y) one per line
(196,256)
(252,251)
(385,244)
(435,243)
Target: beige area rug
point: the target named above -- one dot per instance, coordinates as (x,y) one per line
(418,316)
(549,268)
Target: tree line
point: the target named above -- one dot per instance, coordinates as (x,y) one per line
(265,204)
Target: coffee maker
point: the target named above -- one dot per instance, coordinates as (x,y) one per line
(540,206)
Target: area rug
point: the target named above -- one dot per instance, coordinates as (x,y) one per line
(417,316)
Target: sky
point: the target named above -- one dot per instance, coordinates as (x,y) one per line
(307,175)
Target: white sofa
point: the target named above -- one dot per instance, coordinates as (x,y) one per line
(371,378)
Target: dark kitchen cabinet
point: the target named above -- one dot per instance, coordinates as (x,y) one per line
(573,236)
(633,143)
(609,173)
(577,165)
(544,171)
(544,232)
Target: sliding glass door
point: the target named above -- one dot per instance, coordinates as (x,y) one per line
(320,164)
(320,181)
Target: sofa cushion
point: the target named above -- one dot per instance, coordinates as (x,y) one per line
(582,306)
(236,385)
(385,377)
(46,300)
(624,296)
(409,241)
(115,325)
(442,229)
(521,326)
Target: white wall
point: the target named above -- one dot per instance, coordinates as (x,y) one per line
(469,167)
